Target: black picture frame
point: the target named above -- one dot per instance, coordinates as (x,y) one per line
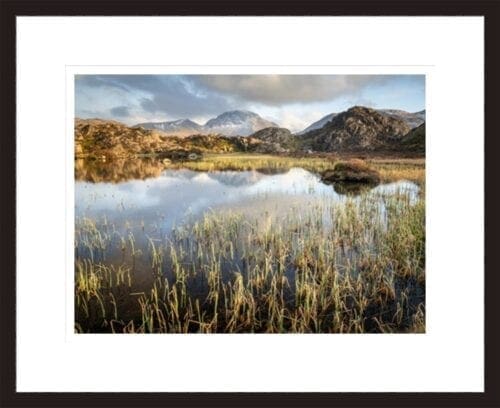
(11,9)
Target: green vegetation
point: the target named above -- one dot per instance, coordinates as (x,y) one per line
(346,267)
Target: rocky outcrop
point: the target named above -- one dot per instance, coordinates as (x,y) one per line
(103,139)
(106,138)
(357,129)
(275,140)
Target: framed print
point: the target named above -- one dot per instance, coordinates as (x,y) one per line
(235,224)
(290,207)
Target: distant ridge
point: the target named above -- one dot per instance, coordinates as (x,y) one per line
(359,129)
(232,123)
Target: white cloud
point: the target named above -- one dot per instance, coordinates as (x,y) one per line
(279,89)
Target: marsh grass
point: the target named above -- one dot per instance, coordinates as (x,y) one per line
(116,171)
(353,266)
(398,169)
(246,161)
(391,169)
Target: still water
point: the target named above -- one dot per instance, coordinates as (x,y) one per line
(161,202)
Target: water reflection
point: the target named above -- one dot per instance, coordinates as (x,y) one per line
(96,171)
(173,195)
(120,170)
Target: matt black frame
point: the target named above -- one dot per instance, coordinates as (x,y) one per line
(11,9)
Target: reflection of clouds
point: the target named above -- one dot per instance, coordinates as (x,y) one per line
(295,181)
(176,194)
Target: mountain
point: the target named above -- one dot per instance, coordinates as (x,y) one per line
(413,120)
(96,138)
(237,123)
(318,124)
(180,127)
(415,140)
(357,129)
(233,123)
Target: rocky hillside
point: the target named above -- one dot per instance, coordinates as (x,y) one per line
(277,139)
(357,129)
(96,137)
(318,124)
(110,139)
(412,119)
(414,141)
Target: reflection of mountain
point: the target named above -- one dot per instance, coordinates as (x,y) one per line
(177,194)
(227,178)
(236,178)
(272,170)
(117,171)
(182,174)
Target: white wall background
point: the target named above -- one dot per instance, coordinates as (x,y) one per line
(449,357)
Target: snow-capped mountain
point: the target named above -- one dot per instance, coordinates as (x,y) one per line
(237,123)
(233,123)
(178,127)
(318,124)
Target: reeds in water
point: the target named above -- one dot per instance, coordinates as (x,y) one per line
(354,266)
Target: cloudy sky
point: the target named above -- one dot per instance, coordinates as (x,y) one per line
(292,101)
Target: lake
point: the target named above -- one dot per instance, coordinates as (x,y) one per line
(173,196)
(207,229)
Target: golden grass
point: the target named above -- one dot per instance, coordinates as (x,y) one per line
(244,161)
(345,267)
(400,169)
(391,169)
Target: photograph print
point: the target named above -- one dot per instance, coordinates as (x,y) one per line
(249,203)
